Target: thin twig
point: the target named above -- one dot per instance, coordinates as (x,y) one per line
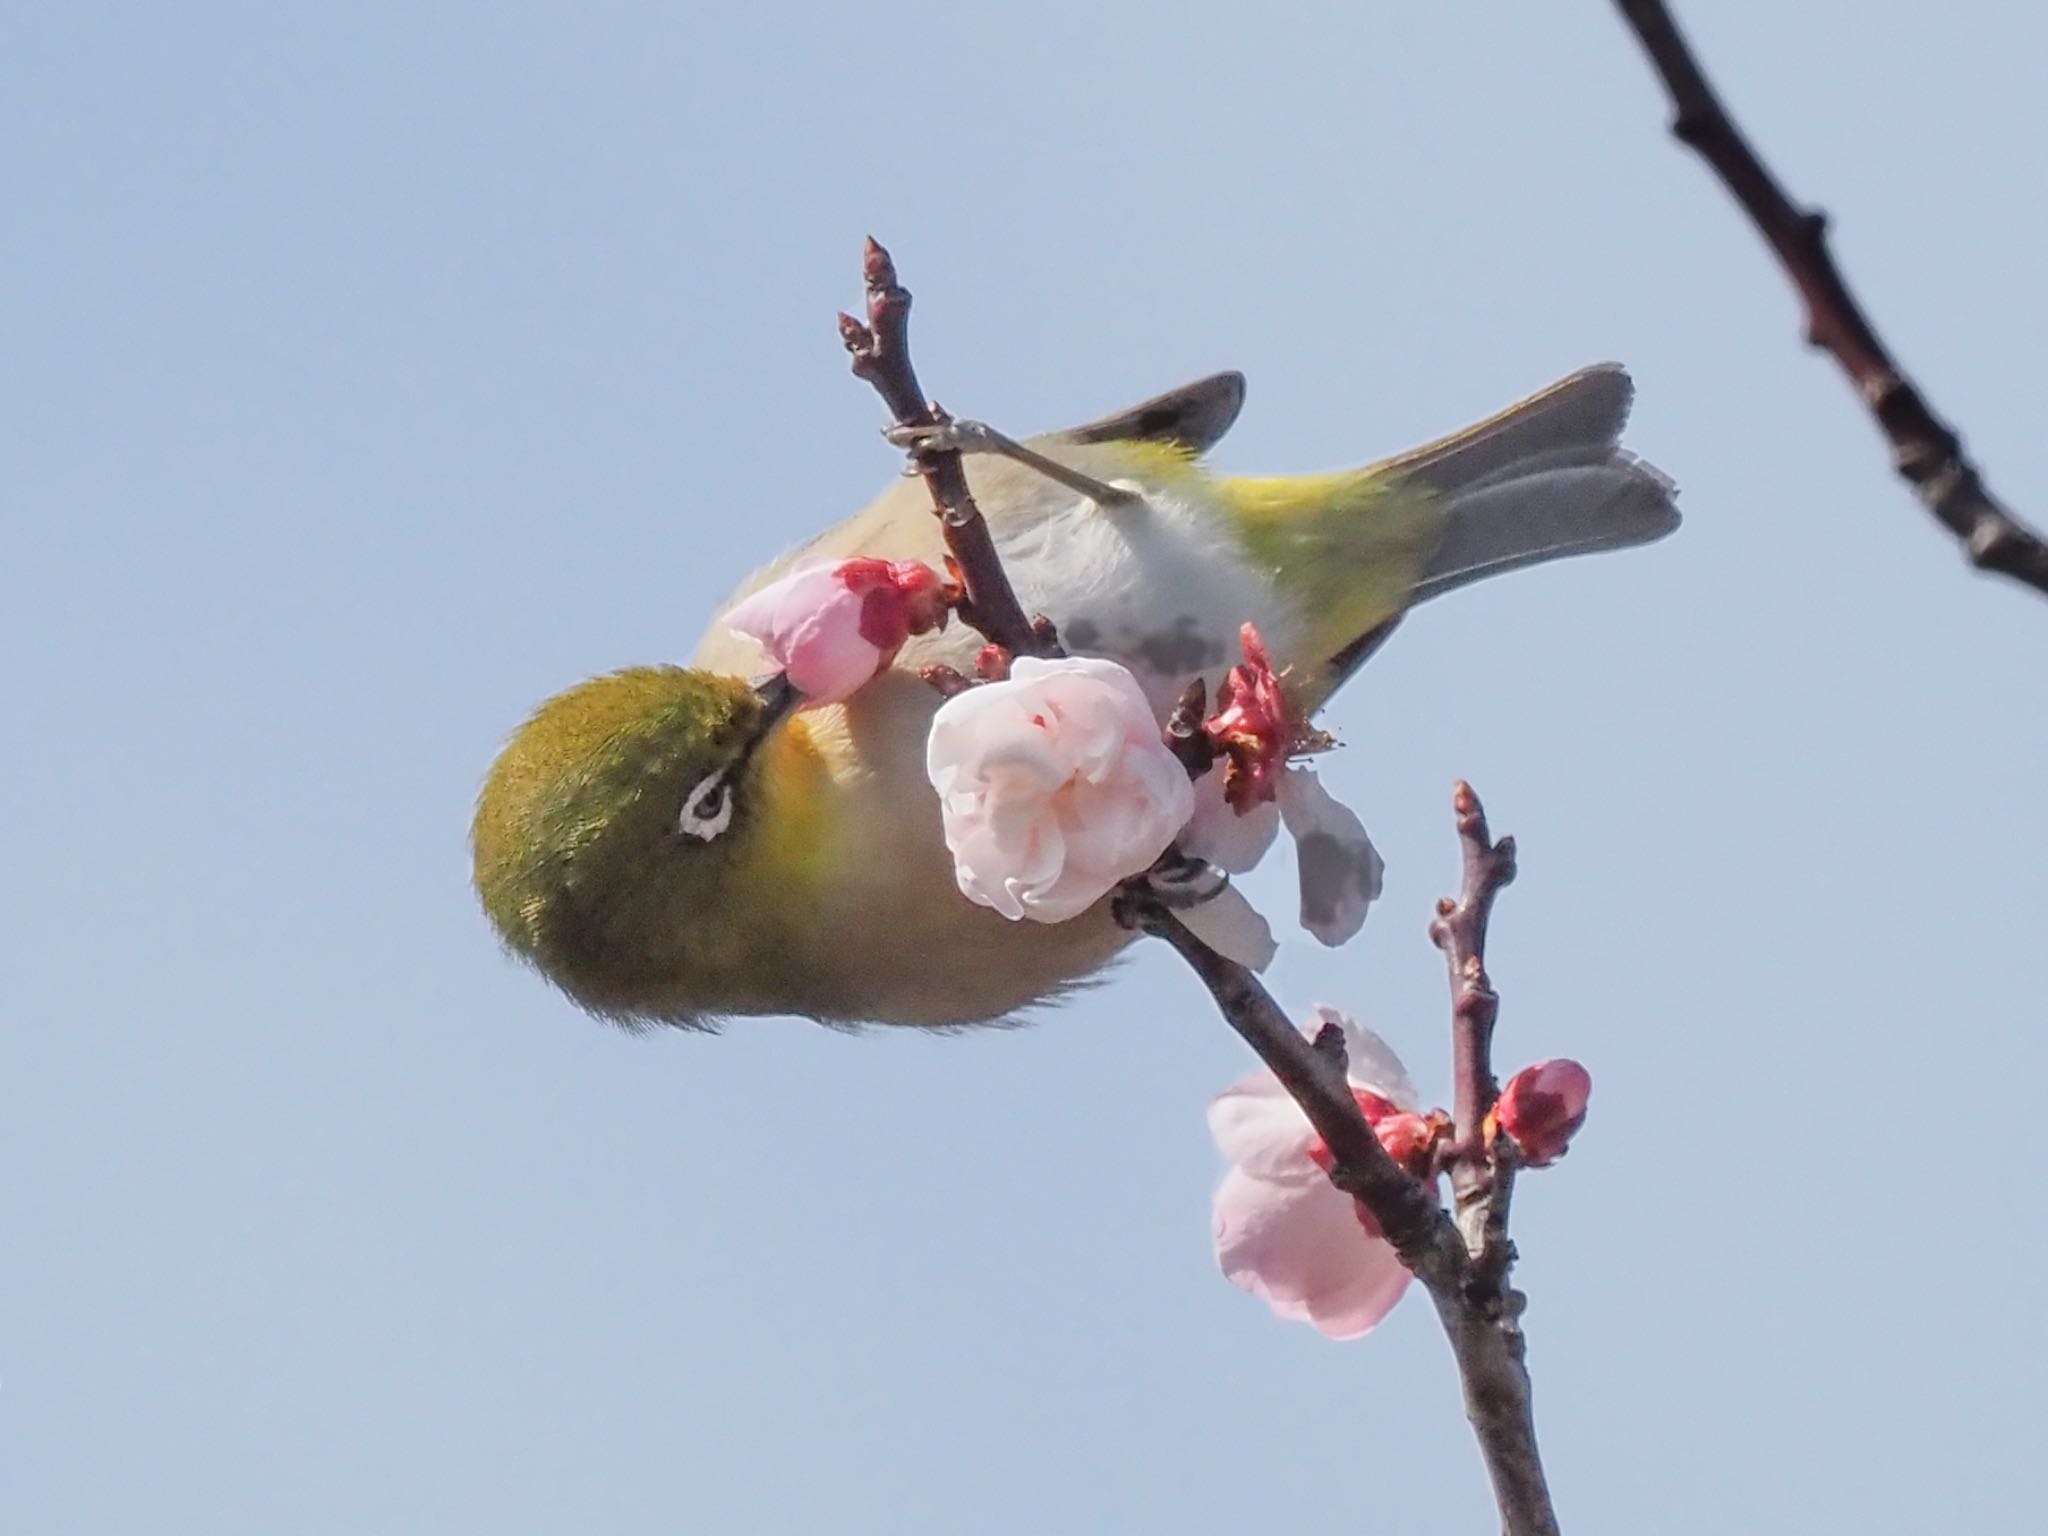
(881,354)
(1925,450)
(1459,930)
(1484,1318)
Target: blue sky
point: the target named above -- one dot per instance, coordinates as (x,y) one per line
(370,371)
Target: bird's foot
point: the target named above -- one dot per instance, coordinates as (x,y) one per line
(960,435)
(1181,882)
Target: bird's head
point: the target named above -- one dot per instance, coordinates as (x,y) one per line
(643,840)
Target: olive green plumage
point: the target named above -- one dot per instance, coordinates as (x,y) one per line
(580,863)
(830,893)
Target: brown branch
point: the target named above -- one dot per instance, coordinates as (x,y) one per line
(1477,1309)
(1459,930)
(1483,1317)
(1184,733)
(1503,1418)
(1406,1210)
(881,354)
(1479,1314)
(1925,450)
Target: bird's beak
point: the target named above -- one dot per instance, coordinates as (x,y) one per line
(779,700)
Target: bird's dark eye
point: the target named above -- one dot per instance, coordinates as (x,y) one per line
(708,810)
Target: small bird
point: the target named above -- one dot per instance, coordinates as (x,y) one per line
(679,844)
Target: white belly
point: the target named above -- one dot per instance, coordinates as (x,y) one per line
(1161,588)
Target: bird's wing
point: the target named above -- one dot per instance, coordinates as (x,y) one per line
(1194,416)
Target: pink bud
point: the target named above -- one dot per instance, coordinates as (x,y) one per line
(832,627)
(898,599)
(1541,1107)
(1408,1137)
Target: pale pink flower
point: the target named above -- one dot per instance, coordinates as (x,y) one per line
(1542,1107)
(1054,785)
(832,627)
(1283,1231)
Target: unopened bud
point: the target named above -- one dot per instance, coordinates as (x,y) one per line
(1542,1107)
(1409,1138)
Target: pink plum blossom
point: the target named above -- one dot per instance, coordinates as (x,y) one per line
(1542,1107)
(1283,1231)
(832,627)
(1053,786)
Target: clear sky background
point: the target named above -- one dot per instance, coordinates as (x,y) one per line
(367,372)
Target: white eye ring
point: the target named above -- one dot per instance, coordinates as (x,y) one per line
(708,811)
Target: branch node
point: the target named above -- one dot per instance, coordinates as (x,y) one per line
(1329,1044)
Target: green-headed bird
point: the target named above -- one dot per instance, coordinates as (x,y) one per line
(675,844)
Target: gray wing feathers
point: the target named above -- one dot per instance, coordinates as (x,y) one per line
(1194,416)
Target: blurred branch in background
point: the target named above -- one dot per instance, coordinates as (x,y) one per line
(1925,450)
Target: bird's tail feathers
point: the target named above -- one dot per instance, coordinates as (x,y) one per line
(1544,479)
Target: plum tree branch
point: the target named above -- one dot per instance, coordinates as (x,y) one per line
(1404,1207)
(880,350)
(1459,930)
(1926,451)
(1466,1280)
(1464,1265)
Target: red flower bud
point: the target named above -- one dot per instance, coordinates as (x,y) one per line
(1541,1107)
(897,600)
(1253,725)
(1409,1138)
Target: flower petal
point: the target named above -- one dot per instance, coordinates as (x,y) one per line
(1263,1131)
(1370,1063)
(1234,842)
(1339,869)
(1302,1250)
(810,624)
(1232,926)
(1054,785)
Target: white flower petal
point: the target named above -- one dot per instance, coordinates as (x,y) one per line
(1053,786)
(1340,871)
(1232,926)
(1219,835)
